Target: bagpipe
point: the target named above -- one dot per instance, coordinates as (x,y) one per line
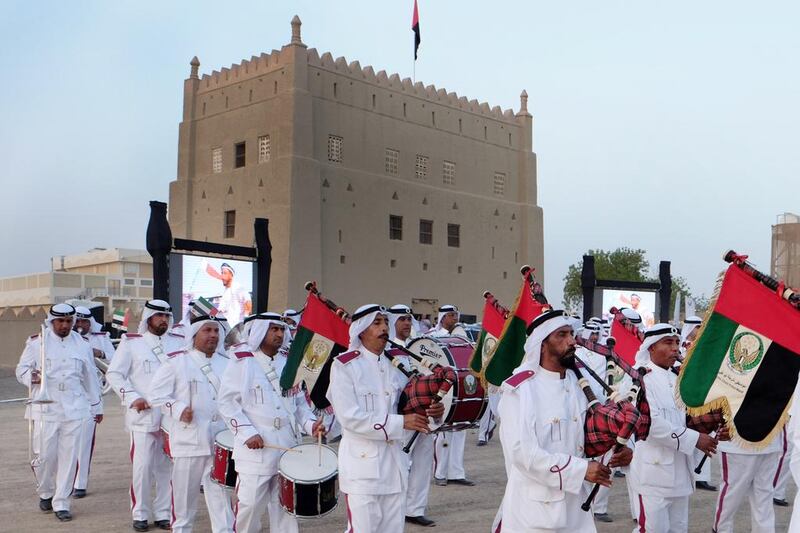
(780,288)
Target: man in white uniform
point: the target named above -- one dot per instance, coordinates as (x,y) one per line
(71,394)
(100,343)
(187,386)
(130,374)
(543,445)
(261,418)
(662,465)
(364,391)
(235,302)
(448,457)
(401,327)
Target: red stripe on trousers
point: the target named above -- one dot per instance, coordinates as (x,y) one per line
(499,526)
(780,462)
(236,508)
(349,515)
(721,500)
(642,516)
(133,496)
(172,500)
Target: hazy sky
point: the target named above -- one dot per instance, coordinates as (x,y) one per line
(669,127)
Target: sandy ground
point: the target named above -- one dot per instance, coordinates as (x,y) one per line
(106,508)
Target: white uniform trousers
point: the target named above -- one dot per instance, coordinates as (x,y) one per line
(419,475)
(55,467)
(663,515)
(188,473)
(782,471)
(85,451)
(746,476)
(375,513)
(149,464)
(448,457)
(255,494)
(600,503)
(489,419)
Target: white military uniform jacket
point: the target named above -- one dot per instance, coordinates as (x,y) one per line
(364,391)
(189,378)
(101,340)
(252,404)
(543,450)
(662,465)
(131,373)
(71,377)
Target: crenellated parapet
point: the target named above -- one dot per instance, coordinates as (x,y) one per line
(246,70)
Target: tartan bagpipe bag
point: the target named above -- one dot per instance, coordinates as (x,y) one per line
(421,391)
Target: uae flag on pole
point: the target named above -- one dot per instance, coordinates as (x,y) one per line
(320,336)
(415,29)
(491,328)
(745,360)
(120,320)
(627,337)
(510,348)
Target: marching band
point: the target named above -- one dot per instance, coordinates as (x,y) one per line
(206,417)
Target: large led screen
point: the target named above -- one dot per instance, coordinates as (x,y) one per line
(227,283)
(644,302)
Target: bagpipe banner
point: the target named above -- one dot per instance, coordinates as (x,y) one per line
(745,359)
(510,348)
(628,337)
(321,335)
(494,316)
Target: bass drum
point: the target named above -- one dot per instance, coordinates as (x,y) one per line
(308,481)
(466,401)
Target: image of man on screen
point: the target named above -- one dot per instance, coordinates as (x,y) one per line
(235,301)
(635,301)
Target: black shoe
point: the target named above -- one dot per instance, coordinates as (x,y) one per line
(420,521)
(46,504)
(441,482)
(481,443)
(780,502)
(619,473)
(491,434)
(603,517)
(162,524)
(704,485)
(63,516)
(462,481)
(79,493)
(140,525)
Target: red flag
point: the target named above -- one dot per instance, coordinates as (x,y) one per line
(415,29)
(627,337)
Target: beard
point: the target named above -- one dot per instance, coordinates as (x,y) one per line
(568,360)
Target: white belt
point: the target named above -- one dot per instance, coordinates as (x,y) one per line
(277,423)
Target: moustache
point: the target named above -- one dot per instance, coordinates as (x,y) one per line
(384,336)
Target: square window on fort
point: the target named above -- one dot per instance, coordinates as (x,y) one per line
(454,235)
(341,259)
(216,160)
(421,167)
(392,263)
(499,184)
(334,149)
(424,266)
(425,231)
(392,161)
(448,173)
(229,230)
(395,228)
(239,151)
(264,149)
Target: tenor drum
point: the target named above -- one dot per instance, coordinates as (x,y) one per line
(309,481)
(223,470)
(466,401)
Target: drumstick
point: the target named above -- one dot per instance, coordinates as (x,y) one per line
(319,447)
(275,447)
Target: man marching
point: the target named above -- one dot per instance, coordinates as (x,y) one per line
(364,391)
(187,386)
(263,421)
(401,325)
(65,393)
(130,374)
(543,446)
(663,463)
(449,445)
(100,344)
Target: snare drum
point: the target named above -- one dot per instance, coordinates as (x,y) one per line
(309,485)
(466,401)
(165,435)
(223,470)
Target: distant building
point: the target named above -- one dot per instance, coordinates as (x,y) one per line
(786,249)
(117,278)
(378,188)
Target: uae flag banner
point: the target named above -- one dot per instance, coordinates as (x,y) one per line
(415,29)
(320,336)
(745,360)
(120,321)
(510,348)
(627,336)
(494,316)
